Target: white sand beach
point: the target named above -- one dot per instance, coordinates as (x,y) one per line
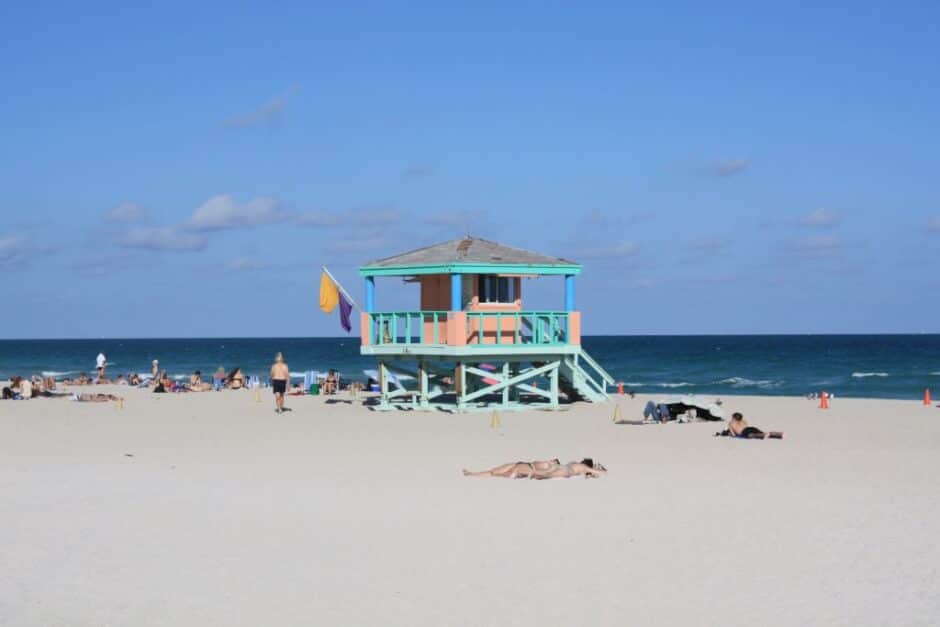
(209,509)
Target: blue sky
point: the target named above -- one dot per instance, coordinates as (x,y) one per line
(717,168)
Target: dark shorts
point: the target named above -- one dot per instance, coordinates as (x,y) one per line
(279,385)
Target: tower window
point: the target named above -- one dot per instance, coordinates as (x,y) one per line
(497,289)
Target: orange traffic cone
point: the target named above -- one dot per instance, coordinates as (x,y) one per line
(927,396)
(824,401)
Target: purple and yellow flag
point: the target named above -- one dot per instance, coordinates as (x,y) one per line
(329,294)
(345,308)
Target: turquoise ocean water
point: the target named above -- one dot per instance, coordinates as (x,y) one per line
(872,366)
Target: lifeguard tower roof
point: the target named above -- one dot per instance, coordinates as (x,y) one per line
(469,255)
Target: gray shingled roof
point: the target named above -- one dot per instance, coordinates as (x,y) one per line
(469,250)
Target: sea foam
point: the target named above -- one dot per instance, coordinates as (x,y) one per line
(862,375)
(742,382)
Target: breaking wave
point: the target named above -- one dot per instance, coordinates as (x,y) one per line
(862,375)
(742,382)
(58,373)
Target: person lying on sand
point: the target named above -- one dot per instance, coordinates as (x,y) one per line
(586,468)
(548,469)
(515,470)
(95,398)
(738,428)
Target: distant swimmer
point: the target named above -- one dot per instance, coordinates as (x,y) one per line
(280,375)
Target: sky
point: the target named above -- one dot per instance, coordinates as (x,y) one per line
(184,170)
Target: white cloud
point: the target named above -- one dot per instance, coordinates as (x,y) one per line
(418,171)
(596,218)
(222,212)
(369,218)
(728,167)
(933,224)
(459,218)
(244,264)
(377,217)
(708,244)
(13,250)
(267,113)
(162,238)
(319,218)
(818,244)
(126,213)
(820,217)
(615,251)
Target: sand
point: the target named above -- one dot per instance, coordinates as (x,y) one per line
(209,509)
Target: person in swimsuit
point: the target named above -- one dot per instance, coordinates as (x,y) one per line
(586,468)
(515,470)
(236,379)
(738,428)
(280,375)
(93,398)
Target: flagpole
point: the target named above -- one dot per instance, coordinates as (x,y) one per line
(341,288)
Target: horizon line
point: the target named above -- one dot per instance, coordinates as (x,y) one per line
(356,337)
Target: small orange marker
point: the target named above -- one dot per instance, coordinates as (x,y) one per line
(620,388)
(927,396)
(824,400)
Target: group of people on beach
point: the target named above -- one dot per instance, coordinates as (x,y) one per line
(21,388)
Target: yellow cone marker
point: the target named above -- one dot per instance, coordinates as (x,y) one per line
(495,422)
(617,415)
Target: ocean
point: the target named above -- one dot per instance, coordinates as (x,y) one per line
(867,366)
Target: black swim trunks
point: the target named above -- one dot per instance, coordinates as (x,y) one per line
(279,385)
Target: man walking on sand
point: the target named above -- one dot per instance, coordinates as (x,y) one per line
(280,375)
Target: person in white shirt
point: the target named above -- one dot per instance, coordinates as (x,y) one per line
(102,363)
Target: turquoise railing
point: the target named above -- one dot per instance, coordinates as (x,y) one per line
(407,327)
(546,328)
(483,328)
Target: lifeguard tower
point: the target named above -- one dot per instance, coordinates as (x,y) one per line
(472,345)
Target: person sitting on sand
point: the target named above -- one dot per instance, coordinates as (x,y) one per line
(16,388)
(134,379)
(196,384)
(659,412)
(236,379)
(331,384)
(738,428)
(218,379)
(26,389)
(163,384)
